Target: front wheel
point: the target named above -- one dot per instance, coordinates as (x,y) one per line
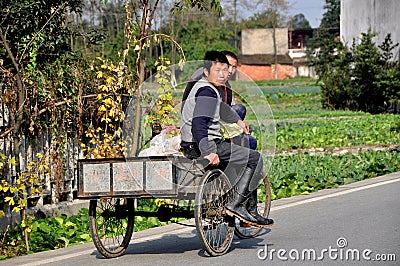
(111,225)
(214,227)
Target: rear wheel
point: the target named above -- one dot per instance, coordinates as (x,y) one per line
(243,230)
(214,227)
(111,225)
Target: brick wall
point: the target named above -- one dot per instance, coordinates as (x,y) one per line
(265,72)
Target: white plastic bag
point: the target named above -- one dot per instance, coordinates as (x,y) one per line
(162,145)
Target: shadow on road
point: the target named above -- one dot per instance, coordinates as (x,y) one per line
(181,244)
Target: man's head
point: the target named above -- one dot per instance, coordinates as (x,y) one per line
(216,67)
(233,62)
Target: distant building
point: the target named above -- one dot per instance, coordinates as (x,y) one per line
(257,57)
(381,16)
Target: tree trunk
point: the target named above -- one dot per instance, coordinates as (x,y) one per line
(17,120)
(138,109)
(17,146)
(275,52)
(235,23)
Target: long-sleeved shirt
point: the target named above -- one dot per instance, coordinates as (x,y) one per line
(201,115)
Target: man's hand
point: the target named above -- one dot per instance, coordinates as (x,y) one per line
(213,158)
(245,126)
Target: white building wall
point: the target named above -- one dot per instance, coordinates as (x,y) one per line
(260,41)
(381,16)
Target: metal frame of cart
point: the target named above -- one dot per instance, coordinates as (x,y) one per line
(112,185)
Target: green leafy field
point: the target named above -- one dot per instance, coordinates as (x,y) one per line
(303,173)
(302,123)
(369,130)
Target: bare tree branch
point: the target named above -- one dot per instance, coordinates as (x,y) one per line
(42,111)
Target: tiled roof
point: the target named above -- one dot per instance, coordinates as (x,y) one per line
(264,59)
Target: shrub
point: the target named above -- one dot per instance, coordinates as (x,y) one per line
(363,77)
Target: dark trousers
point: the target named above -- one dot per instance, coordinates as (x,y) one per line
(237,158)
(234,158)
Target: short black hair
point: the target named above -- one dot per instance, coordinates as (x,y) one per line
(231,54)
(214,56)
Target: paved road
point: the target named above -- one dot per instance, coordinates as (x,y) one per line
(356,224)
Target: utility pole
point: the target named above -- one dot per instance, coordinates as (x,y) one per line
(274,22)
(235,22)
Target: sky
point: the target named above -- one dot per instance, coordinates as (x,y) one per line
(311,9)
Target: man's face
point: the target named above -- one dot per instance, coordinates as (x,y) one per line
(218,74)
(232,65)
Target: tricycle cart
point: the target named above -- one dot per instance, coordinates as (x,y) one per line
(113,185)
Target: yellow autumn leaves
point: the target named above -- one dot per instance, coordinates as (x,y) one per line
(105,141)
(164,112)
(28,183)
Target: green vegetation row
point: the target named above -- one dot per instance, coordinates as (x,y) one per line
(48,234)
(372,130)
(304,173)
(292,98)
(322,133)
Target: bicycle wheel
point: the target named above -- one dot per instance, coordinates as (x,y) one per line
(215,229)
(111,225)
(243,230)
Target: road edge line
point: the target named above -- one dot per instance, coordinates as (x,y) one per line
(340,193)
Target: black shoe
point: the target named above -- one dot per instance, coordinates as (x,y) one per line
(266,223)
(252,209)
(240,212)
